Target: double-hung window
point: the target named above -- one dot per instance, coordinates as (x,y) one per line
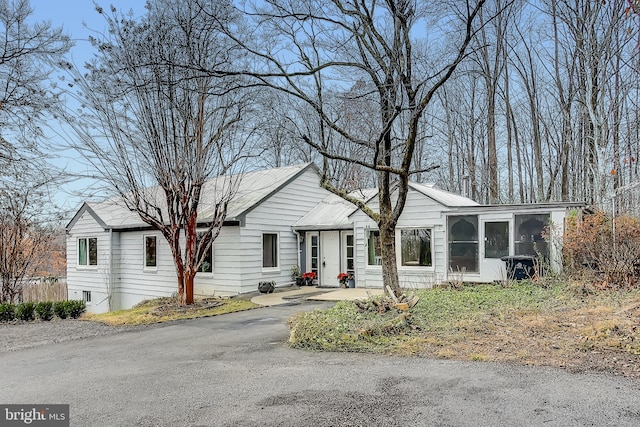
(88,251)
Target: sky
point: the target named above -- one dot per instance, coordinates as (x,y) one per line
(79,19)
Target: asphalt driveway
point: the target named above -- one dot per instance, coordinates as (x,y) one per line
(236,370)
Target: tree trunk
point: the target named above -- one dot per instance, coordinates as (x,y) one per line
(188,280)
(388,252)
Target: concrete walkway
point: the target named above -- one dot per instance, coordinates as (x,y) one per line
(313,293)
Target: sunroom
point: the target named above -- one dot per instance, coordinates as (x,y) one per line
(480,239)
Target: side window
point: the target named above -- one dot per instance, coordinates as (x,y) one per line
(86,297)
(88,251)
(207,263)
(416,247)
(269,250)
(150,256)
(374,253)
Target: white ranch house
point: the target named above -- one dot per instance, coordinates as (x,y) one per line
(282,217)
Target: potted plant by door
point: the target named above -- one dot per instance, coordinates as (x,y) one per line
(342,279)
(308,277)
(295,275)
(351,281)
(347,280)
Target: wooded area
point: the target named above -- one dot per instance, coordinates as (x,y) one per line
(544,108)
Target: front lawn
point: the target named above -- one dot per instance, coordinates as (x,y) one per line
(570,326)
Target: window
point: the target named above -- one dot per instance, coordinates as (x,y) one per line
(496,239)
(528,234)
(463,243)
(88,251)
(350,261)
(150,251)
(269,250)
(207,262)
(314,254)
(416,247)
(86,297)
(374,250)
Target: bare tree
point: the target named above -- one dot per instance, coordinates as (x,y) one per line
(28,54)
(27,233)
(316,51)
(157,129)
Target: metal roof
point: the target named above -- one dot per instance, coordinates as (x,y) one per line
(253,188)
(333,212)
(443,197)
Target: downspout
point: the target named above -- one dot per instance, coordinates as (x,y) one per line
(110,273)
(297,246)
(110,268)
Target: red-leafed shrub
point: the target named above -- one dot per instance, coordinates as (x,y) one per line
(603,249)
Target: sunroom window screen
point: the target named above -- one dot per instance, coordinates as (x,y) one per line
(463,243)
(529,238)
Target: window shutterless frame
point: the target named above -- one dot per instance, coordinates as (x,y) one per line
(150,252)
(270,251)
(87,251)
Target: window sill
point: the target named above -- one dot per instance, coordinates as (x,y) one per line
(275,270)
(87,267)
(204,274)
(150,270)
(415,269)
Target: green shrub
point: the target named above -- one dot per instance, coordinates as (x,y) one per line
(7,312)
(60,309)
(75,308)
(44,309)
(26,311)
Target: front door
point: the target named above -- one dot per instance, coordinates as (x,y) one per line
(329,258)
(495,245)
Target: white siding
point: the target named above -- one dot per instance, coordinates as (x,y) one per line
(136,283)
(94,279)
(419,212)
(227,265)
(276,215)
(237,252)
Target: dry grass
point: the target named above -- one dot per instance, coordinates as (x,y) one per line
(168,309)
(561,326)
(602,335)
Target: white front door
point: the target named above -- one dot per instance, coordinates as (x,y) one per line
(495,244)
(329,258)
